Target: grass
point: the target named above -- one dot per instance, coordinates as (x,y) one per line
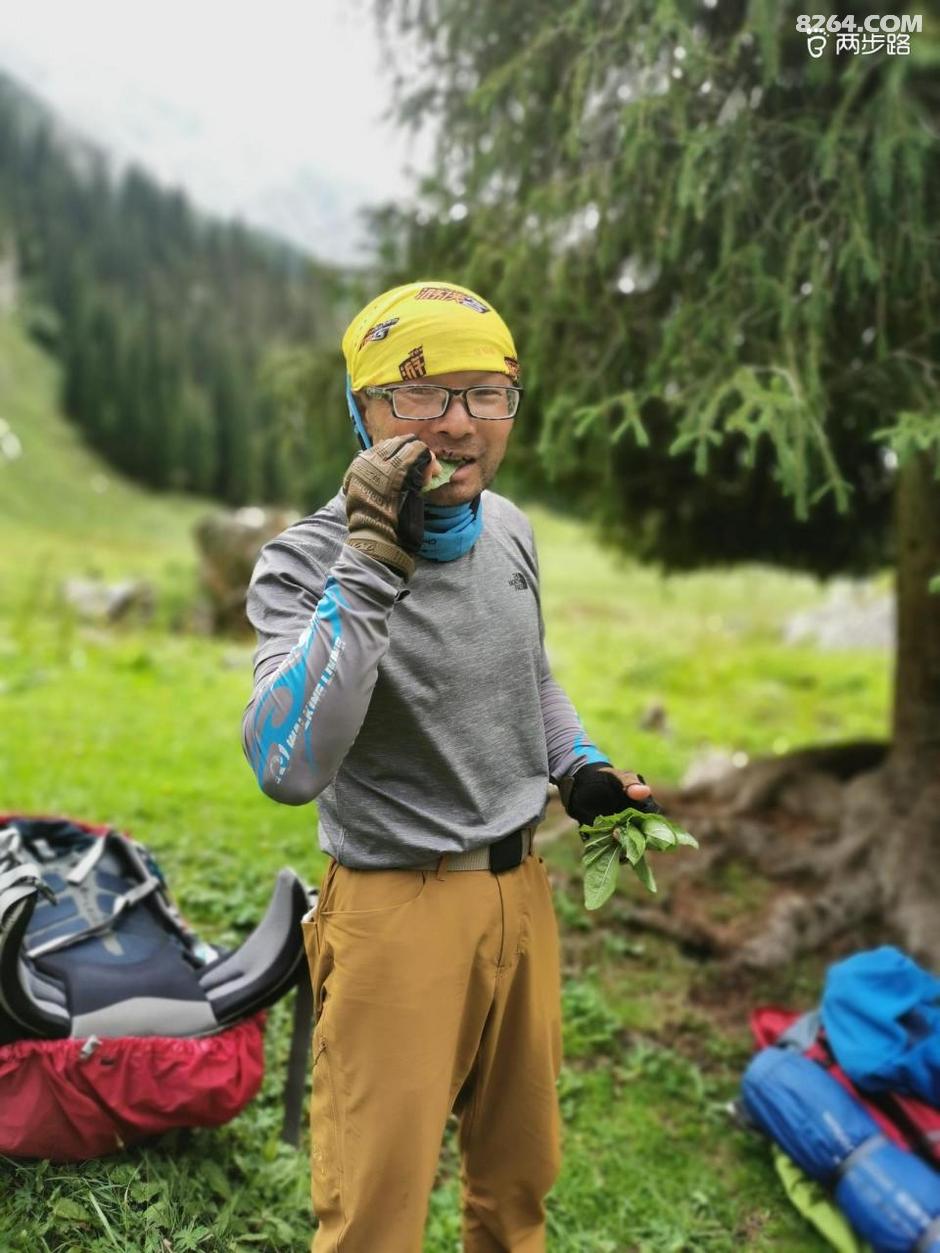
(139,727)
(60,505)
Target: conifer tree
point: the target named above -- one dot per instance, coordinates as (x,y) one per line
(142,298)
(719,255)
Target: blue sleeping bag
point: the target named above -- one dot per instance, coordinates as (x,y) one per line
(890,1196)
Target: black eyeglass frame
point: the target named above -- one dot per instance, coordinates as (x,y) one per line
(388,393)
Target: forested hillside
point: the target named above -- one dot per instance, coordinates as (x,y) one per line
(168,324)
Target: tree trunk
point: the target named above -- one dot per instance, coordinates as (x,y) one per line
(916,737)
(909,868)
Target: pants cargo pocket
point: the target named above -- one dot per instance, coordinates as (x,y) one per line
(325,1164)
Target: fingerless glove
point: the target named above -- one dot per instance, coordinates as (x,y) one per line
(592,791)
(384,507)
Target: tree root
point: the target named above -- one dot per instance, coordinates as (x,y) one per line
(908,867)
(761,783)
(800,923)
(866,852)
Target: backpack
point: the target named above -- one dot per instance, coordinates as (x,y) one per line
(117,1022)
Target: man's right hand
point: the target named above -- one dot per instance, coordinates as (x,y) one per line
(384,505)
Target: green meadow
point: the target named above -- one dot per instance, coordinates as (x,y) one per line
(139,726)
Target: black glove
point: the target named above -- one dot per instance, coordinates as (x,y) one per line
(592,792)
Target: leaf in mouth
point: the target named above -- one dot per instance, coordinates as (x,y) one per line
(448,470)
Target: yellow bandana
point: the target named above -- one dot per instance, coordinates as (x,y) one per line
(426,328)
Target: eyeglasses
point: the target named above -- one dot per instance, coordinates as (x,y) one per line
(425,401)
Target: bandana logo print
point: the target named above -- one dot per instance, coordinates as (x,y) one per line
(448,293)
(512,368)
(377,332)
(413,366)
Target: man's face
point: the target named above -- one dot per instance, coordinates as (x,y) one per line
(454,435)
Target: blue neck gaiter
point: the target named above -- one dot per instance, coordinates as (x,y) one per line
(449,530)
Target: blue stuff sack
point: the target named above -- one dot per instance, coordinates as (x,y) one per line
(881,1013)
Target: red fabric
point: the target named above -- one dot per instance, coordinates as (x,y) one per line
(57,1105)
(90,828)
(920,1120)
(768,1021)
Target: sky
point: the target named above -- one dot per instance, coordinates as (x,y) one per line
(271,111)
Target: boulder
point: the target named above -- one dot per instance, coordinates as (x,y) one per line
(228,542)
(100,602)
(853,615)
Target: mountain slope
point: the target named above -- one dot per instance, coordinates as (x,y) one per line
(165,321)
(59,500)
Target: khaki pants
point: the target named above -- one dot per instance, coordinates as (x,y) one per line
(434,991)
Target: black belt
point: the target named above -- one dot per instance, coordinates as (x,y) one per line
(506,853)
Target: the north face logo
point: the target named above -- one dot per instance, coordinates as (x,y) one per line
(518,580)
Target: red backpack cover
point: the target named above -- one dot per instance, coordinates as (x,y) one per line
(117,1023)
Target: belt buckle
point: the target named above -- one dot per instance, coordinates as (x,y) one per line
(506,853)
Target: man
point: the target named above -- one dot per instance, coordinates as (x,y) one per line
(401,679)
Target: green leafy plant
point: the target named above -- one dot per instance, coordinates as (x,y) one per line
(613,839)
(447,472)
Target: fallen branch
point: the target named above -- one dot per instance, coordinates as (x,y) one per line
(696,937)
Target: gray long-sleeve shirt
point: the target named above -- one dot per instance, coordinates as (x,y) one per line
(423,718)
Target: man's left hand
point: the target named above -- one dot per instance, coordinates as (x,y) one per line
(632,784)
(602,789)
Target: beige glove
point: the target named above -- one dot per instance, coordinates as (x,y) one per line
(383,501)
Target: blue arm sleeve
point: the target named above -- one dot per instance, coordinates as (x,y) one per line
(316,664)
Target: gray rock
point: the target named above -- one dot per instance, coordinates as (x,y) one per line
(853,615)
(229,542)
(100,602)
(709,768)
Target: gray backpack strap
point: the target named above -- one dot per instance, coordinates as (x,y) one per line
(121,904)
(297,1061)
(858,1154)
(802,1032)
